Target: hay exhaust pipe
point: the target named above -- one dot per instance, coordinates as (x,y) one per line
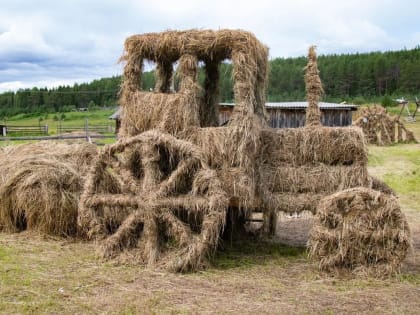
(175,180)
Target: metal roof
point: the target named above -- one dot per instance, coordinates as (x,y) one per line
(285,105)
(115,115)
(303,105)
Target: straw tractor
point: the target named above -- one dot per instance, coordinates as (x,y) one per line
(175,180)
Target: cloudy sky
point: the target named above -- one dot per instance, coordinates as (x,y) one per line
(53,42)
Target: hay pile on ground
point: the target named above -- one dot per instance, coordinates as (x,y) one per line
(381,128)
(40,186)
(362,230)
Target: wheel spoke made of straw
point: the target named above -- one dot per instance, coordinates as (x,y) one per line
(147,193)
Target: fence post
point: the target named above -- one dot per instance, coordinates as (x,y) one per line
(46,129)
(4,131)
(87,129)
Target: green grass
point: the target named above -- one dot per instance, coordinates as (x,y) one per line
(72,119)
(96,117)
(399,167)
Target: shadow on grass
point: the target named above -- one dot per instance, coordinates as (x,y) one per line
(251,252)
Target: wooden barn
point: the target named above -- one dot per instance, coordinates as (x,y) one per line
(292,114)
(286,114)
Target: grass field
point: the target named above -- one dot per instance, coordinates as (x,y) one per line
(69,119)
(41,275)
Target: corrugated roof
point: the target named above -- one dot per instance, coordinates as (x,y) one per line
(115,115)
(302,105)
(289,105)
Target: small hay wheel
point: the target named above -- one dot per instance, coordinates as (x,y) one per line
(361,230)
(154,194)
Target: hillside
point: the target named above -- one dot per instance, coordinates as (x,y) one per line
(359,78)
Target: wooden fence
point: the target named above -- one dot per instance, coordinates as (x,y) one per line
(9,130)
(87,128)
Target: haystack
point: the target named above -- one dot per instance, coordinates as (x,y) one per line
(362,230)
(381,128)
(40,186)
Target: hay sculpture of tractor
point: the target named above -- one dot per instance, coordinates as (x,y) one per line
(166,190)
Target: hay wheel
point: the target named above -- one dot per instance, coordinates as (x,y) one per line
(153,193)
(361,230)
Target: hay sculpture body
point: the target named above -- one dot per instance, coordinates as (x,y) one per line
(165,191)
(381,128)
(165,188)
(163,194)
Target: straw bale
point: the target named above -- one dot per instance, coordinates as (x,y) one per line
(41,195)
(233,151)
(40,185)
(291,202)
(361,230)
(79,155)
(314,178)
(173,113)
(301,146)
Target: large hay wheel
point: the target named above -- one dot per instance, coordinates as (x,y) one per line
(153,193)
(361,230)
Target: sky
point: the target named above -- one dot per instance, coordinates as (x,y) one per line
(47,43)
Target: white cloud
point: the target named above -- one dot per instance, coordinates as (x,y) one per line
(45,41)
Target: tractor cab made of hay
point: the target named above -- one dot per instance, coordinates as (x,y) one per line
(175,180)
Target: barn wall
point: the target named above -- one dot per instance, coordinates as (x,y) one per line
(286,118)
(224,114)
(336,117)
(293,118)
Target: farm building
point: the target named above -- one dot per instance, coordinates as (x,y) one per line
(286,114)
(292,114)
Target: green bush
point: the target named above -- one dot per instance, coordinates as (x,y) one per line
(387,101)
(359,100)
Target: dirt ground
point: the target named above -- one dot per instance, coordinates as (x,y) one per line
(55,276)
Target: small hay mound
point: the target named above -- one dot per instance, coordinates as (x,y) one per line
(40,185)
(381,128)
(41,195)
(361,230)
